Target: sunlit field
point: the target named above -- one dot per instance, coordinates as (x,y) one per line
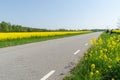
(21,35)
(116,31)
(16,38)
(101,61)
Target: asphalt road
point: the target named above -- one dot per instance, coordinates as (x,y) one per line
(47,60)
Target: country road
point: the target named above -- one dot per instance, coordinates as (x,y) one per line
(47,60)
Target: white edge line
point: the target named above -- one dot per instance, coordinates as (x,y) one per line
(76,52)
(86,44)
(48,75)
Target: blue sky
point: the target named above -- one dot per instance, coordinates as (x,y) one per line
(54,14)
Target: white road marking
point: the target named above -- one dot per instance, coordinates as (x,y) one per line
(76,52)
(86,44)
(48,75)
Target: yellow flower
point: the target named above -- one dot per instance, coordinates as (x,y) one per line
(100,41)
(113,43)
(105,50)
(91,73)
(101,51)
(105,57)
(109,59)
(117,59)
(92,66)
(97,72)
(113,79)
(93,41)
(110,67)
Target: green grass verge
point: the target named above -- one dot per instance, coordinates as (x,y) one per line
(101,61)
(14,42)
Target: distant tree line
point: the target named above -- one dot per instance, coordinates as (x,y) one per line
(7,27)
(96,30)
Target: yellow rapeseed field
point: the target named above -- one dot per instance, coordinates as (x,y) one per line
(116,31)
(21,35)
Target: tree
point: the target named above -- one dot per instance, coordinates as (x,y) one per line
(4,26)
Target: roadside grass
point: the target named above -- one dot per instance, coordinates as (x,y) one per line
(14,42)
(101,61)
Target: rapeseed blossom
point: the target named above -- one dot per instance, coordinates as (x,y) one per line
(113,79)
(97,72)
(21,35)
(92,66)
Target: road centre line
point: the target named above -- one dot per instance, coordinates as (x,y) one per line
(76,52)
(86,44)
(48,75)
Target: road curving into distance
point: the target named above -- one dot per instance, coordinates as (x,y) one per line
(47,60)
